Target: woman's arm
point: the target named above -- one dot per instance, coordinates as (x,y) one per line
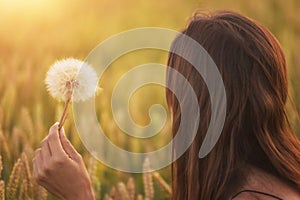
(60,169)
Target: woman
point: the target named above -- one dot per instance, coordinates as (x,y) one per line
(257,155)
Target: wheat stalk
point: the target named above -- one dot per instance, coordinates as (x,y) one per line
(23,193)
(14,180)
(139,197)
(17,140)
(164,186)
(92,166)
(4,149)
(2,183)
(107,197)
(1,166)
(1,117)
(148,180)
(113,193)
(2,190)
(26,121)
(27,175)
(123,191)
(39,192)
(131,188)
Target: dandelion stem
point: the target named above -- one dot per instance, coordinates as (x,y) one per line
(64,114)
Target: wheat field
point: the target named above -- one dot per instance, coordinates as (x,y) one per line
(36,33)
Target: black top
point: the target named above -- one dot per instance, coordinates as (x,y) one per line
(257,192)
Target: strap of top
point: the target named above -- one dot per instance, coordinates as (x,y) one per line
(257,192)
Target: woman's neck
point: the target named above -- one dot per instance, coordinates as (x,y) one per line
(259,180)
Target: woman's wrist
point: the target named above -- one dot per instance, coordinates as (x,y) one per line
(85,193)
(90,193)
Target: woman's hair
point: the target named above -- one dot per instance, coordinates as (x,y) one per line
(256,130)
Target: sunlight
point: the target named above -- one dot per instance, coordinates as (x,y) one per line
(28,6)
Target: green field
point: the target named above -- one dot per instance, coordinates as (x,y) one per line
(36,33)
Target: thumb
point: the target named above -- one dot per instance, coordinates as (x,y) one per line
(67,146)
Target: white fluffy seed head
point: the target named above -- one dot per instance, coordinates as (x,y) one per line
(71,76)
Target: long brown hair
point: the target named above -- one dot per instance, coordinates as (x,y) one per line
(256,130)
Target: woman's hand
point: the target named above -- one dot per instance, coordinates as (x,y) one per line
(60,169)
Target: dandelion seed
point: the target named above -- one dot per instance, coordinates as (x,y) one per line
(71,76)
(71,80)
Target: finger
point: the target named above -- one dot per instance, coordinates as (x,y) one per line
(34,164)
(67,146)
(45,149)
(35,168)
(37,155)
(53,140)
(37,165)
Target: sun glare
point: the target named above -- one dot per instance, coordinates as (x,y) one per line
(9,6)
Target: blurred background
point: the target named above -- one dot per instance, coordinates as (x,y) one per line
(36,33)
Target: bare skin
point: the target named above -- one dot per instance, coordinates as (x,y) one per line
(60,169)
(259,180)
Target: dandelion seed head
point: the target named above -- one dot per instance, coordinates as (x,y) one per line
(71,77)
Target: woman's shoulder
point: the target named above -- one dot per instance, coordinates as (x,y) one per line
(261,185)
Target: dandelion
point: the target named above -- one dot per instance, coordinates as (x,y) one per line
(71,80)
